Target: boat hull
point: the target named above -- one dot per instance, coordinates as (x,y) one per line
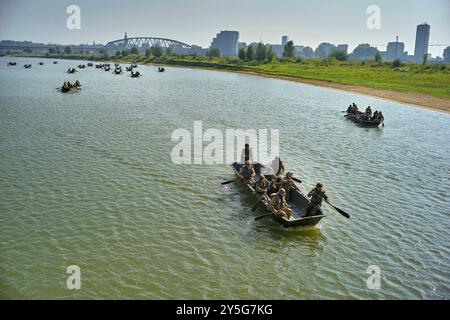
(297,201)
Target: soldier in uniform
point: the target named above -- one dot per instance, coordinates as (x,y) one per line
(279,206)
(262,186)
(275,184)
(288,184)
(247,154)
(317,195)
(247,173)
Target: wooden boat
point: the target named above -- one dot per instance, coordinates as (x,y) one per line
(90,64)
(27,66)
(71,70)
(55,62)
(363,123)
(135,74)
(161,69)
(70,90)
(41,63)
(129,68)
(134,66)
(117,71)
(81,66)
(297,201)
(99,66)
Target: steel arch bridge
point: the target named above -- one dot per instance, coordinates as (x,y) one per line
(143,43)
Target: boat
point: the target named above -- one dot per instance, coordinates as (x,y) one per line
(41,63)
(70,90)
(27,66)
(55,62)
(81,66)
(298,201)
(90,64)
(364,123)
(129,68)
(161,69)
(135,74)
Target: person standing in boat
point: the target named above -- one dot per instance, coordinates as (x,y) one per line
(369,111)
(279,206)
(247,154)
(317,195)
(247,173)
(288,184)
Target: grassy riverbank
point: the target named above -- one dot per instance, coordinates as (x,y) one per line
(427,86)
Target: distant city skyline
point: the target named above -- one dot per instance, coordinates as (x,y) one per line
(307,23)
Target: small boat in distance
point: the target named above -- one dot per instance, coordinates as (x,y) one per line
(297,201)
(27,66)
(161,69)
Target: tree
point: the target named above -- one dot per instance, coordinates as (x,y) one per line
(134,50)
(148,52)
(289,50)
(67,50)
(169,51)
(261,52)
(339,55)
(124,52)
(242,54)
(251,52)
(378,58)
(213,52)
(157,51)
(396,63)
(271,56)
(424,60)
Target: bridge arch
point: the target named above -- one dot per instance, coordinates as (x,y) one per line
(143,43)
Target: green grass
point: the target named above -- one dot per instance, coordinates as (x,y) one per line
(433,80)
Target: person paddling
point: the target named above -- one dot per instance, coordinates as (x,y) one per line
(317,195)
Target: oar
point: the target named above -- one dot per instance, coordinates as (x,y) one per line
(297,180)
(345,214)
(257,202)
(263,216)
(227,182)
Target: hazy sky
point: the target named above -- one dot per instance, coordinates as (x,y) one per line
(306,22)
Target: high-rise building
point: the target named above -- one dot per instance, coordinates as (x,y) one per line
(446,54)
(284,40)
(227,43)
(395,50)
(422,40)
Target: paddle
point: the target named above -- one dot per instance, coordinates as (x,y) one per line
(256,204)
(263,216)
(297,180)
(345,214)
(227,182)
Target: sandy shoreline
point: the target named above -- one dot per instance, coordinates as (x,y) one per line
(414,99)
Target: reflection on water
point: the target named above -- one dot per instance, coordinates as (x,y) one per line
(87,179)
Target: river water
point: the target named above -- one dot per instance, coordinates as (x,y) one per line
(87,180)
